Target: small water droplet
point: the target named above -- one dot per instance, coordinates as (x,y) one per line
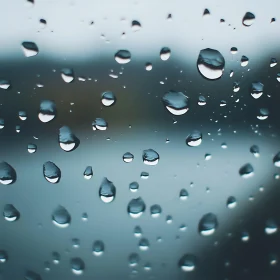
(29,49)
(123,56)
(244,61)
(231,202)
(31,275)
(3,256)
(224,145)
(47,111)
(67,74)
(31,148)
(18,128)
(98,248)
(208,156)
(248,19)
(22,115)
(270,226)
(257,89)
(236,87)
(4,84)
(165,53)
(201,100)
(246,171)
(67,139)
(88,172)
(206,13)
(99,124)
(136,207)
(7,173)
(273,62)
(194,139)
(255,151)
(2,123)
(10,213)
(144,175)
(176,102)
(55,257)
(51,172)
(278,77)
(128,157)
(107,191)
(187,262)
(133,259)
(233,50)
(149,66)
(169,219)
(155,210)
(263,115)
(144,244)
(77,266)
(108,98)
(61,217)
(135,25)
(75,243)
(208,224)
(134,186)
(245,236)
(184,194)
(84,217)
(43,23)
(137,231)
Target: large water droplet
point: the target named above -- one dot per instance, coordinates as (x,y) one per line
(187,262)
(77,266)
(194,139)
(270,226)
(29,49)
(210,64)
(244,61)
(98,248)
(150,157)
(108,98)
(246,171)
(128,157)
(144,244)
(123,56)
(155,210)
(134,186)
(61,217)
(22,115)
(47,111)
(231,202)
(176,102)
(10,213)
(208,224)
(107,191)
(67,74)
(31,148)
(67,139)
(7,173)
(51,172)
(165,53)
(184,194)
(88,172)
(136,207)
(276,160)
(99,124)
(248,19)
(3,256)
(263,115)
(133,259)
(255,151)
(31,275)
(135,25)
(257,90)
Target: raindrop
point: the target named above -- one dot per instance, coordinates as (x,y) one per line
(231,202)
(10,213)
(246,171)
(208,224)
(55,257)
(231,73)
(123,56)
(136,207)
(144,175)
(257,90)
(98,248)
(31,275)
(150,157)
(134,186)
(155,210)
(210,64)
(147,266)
(107,191)
(201,100)
(108,98)
(149,66)
(31,148)
(67,74)
(29,49)
(255,151)
(18,128)
(165,53)
(169,219)
(47,111)
(77,266)
(224,145)
(233,50)
(88,172)
(51,172)
(22,115)
(278,77)
(144,244)
(2,123)
(7,173)
(236,87)
(99,124)
(244,60)
(273,20)
(263,115)
(4,84)
(187,262)
(206,13)
(43,23)
(128,157)
(184,194)
(208,156)
(67,140)
(248,19)
(273,62)
(3,256)
(245,236)
(84,217)
(194,139)
(135,25)
(61,217)
(176,102)
(276,160)
(75,243)
(270,227)
(133,259)
(137,231)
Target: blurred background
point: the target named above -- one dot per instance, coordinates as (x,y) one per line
(65,52)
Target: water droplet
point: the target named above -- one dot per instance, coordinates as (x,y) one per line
(187,262)
(75,243)
(47,266)
(47,111)
(108,98)
(18,128)
(263,115)
(67,74)
(10,213)
(7,173)
(84,217)
(61,217)
(123,56)
(55,257)
(3,256)
(255,151)
(67,139)
(149,66)
(176,102)
(165,53)
(135,25)
(4,84)
(88,172)
(231,202)
(248,19)
(155,210)
(208,156)
(257,90)
(236,87)
(144,175)
(273,62)
(201,100)
(29,49)
(210,64)
(99,124)
(51,172)
(137,231)
(208,224)
(22,115)
(133,259)
(43,23)
(150,157)
(224,145)
(136,207)
(231,73)
(278,77)
(128,157)
(244,61)
(77,266)
(31,275)
(169,219)
(245,236)
(98,248)
(31,148)
(246,171)
(233,50)
(107,191)
(194,139)
(144,244)
(134,186)
(147,266)
(184,194)
(276,160)
(273,259)
(206,13)
(270,226)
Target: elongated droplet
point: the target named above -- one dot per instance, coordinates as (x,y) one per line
(276,160)
(257,89)
(10,213)
(51,172)
(208,224)
(88,172)
(107,191)
(67,139)
(7,173)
